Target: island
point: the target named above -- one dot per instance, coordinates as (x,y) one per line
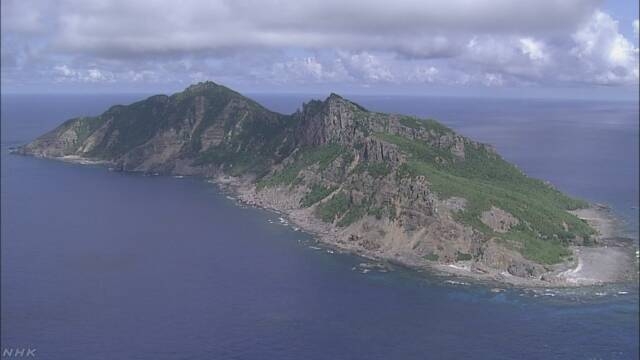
(392,187)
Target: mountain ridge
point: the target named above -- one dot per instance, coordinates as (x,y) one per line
(389,186)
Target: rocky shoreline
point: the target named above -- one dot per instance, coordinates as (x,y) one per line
(613,261)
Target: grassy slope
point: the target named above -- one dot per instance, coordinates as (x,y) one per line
(486,180)
(483,178)
(134,124)
(321,155)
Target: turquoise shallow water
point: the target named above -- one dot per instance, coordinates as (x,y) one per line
(104,265)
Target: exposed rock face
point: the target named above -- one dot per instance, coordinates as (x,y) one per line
(334,120)
(498,220)
(510,261)
(385,185)
(64,140)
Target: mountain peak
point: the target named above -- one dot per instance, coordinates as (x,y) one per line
(203,85)
(337,99)
(208,86)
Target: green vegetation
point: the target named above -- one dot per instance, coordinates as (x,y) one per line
(463,256)
(533,248)
(417,149)
(378,212)
(347,158)
(484,179)
(133,125)
(411,122)
(386,210)
(203,105)
(317,193)
(361,121)
(321,155)
(341,208)
(428,124)
(85,126)
(354,214)
(333,208)
(544,211)
(236,162)
(376,169)
(431,257)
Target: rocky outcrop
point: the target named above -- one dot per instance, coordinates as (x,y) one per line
(498,220)
(69,138)
(334,120)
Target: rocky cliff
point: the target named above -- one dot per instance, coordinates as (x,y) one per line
(384,185)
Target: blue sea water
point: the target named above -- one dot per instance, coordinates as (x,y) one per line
(105,265)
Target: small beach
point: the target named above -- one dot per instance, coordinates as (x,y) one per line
(612,260)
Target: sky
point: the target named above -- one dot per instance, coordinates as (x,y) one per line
(524,48)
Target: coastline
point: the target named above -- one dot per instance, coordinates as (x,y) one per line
(612,261)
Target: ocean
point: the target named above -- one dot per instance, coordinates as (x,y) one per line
(107,265)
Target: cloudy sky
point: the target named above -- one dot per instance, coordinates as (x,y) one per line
(548,48)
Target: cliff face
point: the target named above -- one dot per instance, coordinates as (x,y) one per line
(385,185)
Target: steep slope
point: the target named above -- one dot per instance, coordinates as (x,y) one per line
(156,134)
(384,185)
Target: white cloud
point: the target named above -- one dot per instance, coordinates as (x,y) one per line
(533,49)
(518,59)
(306,69)
(369,42)
(366,67)
(96,75)
(636,27)
(142,76)
(493,80)
(65,73)
(424,74)
(604,54)
(417,28)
